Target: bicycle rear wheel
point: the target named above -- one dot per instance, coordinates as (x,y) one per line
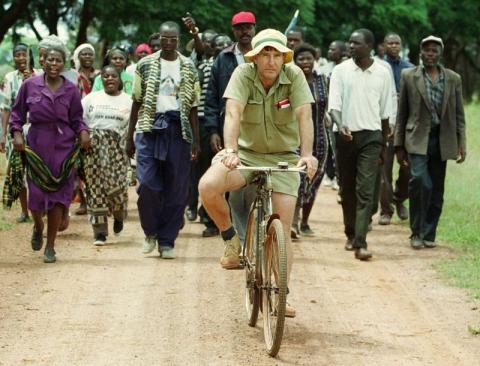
(252,292)
(274,289)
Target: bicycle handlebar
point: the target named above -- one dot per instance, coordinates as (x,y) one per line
(269,169)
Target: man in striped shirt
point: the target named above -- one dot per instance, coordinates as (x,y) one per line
(165,100)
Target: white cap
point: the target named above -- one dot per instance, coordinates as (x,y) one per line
(432,39)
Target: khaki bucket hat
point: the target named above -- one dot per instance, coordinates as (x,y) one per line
(270,38)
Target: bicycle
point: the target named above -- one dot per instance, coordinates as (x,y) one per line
(264,259)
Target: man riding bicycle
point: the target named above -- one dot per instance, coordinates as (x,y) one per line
(268,115)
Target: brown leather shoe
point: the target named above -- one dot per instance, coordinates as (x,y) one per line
(363,254)
(349,244)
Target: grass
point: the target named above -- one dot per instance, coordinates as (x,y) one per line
(460,222)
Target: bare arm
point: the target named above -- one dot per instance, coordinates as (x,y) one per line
(130,148)
(343,131)
(193,118)
(3,137)
(231,131)
(303,115)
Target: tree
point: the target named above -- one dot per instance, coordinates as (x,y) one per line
(10,13)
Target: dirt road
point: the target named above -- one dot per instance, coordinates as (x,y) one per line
(114,306)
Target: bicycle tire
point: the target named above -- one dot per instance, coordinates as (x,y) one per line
(252,291)
(274,289)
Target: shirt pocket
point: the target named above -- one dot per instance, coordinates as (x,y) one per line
(253,112)
(283,116)
(34,99)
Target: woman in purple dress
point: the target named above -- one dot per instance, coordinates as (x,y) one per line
(55,112)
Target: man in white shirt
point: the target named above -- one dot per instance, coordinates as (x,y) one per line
(360,102)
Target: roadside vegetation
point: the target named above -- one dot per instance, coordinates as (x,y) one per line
(460,222)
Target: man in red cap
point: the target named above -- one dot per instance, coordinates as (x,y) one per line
(243,27)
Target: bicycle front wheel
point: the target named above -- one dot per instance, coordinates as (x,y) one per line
(274,296)
(252,292)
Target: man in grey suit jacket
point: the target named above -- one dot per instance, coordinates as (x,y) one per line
(431,130)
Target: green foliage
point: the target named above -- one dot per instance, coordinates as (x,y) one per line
(110,22)
(460,221)
(339,19)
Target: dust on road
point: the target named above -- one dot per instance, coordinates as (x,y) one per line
(115,306)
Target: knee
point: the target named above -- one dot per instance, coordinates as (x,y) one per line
(206,186)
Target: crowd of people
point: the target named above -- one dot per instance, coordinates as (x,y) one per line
(187,121)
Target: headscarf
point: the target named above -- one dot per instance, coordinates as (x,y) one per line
(143,47)
(76,54)
(52,41)
(20,47)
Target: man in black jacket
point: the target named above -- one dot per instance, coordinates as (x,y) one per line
(243,27)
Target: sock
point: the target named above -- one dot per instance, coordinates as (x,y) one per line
(228,234)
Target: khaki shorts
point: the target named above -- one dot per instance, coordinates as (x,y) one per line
(286,183)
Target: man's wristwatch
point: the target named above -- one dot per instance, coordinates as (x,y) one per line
(230,151)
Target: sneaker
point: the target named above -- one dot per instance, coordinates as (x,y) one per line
(149,244)
(210,231)
(305,230)
(335,185)
(100,239)
(327,182)
(231,259)
(429,244)
(384,220)
(117,226)
(167,252)
(23,218)
(49,255)
(416,242)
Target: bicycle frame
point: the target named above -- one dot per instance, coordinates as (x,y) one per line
(261,293)
(263,205)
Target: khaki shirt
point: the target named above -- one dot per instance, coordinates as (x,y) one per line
(265,127)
